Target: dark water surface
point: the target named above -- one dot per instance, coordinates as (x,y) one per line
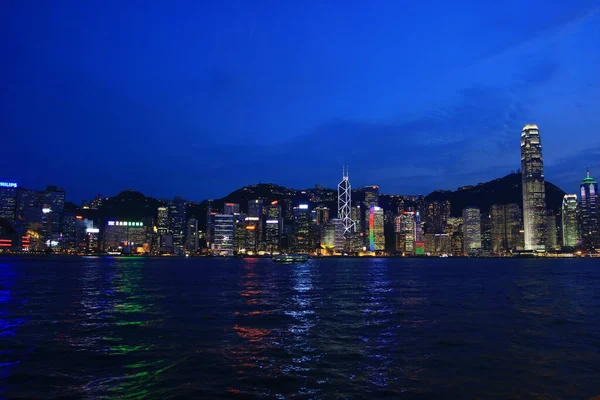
(336,328)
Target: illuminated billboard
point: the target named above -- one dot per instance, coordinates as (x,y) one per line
(303,206)
(8,184)
(125,223)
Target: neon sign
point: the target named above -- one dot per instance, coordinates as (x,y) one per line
(8,184)
(125,223)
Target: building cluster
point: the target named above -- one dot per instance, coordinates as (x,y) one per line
(36,220)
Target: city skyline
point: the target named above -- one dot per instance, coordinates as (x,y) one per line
(218,95)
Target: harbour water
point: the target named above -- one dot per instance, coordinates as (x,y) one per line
(328,328)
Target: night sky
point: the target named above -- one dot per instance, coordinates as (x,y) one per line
(200,98)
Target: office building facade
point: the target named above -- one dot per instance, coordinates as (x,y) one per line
(570,225)
(534,189)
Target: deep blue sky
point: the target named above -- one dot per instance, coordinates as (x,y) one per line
(199,98)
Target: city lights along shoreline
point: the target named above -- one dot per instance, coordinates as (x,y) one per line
(317,221)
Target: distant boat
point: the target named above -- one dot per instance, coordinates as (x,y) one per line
(290,258)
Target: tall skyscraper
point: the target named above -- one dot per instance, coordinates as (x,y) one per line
(29,206)
(551,233)
(223,234)
(534,194)
(505,227)
(162,220)
(321,215)
(345,202)
(375,237)
(471,230)
(8,201)
(570,228)
(371,196)
(589,212)
(273,226)
(405,231)
(436,216)
(177,220)
(302,241)
(192,235)
(255,208)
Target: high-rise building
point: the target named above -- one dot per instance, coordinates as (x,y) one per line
(570,228)
(454,228)
(339,238)
(590,230)
(29,206)
(505,227)
(192,241)
(534,195)
(471,230)
(231,208)
(8,201)
(69,231)
(302,240)
(255,208)
(124,234)
(328,236)
(356,216)
(405,231)
(177,220)
(375,234)
(486,234)
(223,234)
(273,226)
(551,233)
(345,203)
(54,199)
(162,220)
(371,196)
(436,216)
(321,215)
(252,228)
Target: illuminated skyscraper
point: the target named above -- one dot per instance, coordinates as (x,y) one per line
(570,229)
(255,208)
(505,227)
(177,220)
(192,235)
(405,231)
(371,196)
(8,201)
(328,236)
(471,230)
(436,216)
(321,215)
(302,242)
(534,195)
(273,226)
(375,234)
(162,220)
(223,234)
(345,202)
(589,212)
(551,233)
(29,206)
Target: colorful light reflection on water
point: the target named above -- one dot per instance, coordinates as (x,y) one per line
(345,328)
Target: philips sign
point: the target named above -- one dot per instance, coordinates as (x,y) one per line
(8,184)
